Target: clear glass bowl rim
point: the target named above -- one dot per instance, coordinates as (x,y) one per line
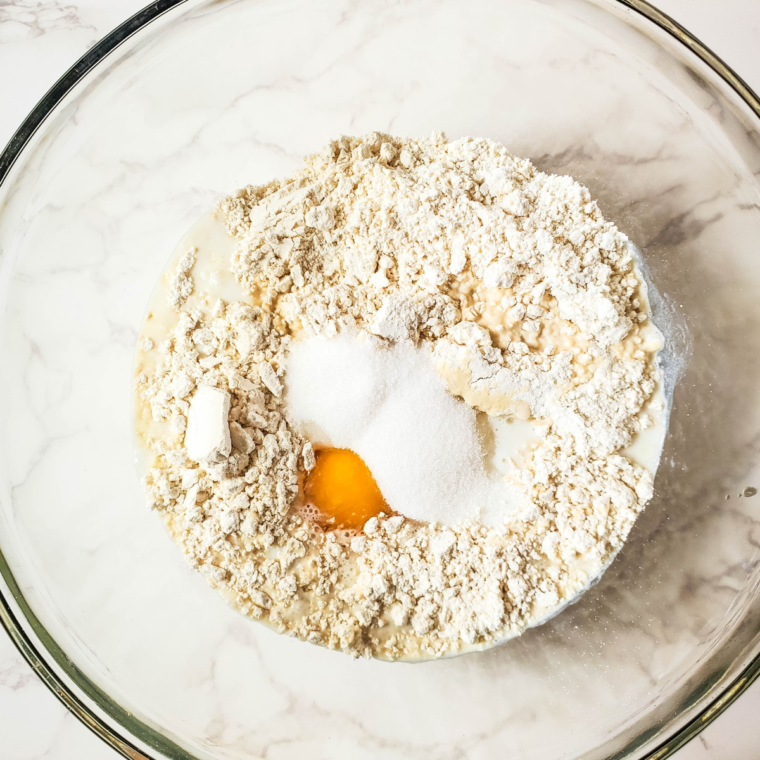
(31,652)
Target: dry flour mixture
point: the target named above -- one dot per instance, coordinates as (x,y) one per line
(403,403)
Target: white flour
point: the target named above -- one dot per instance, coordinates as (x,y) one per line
(182,284)
(531,306)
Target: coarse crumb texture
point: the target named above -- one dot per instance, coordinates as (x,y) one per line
(529,303)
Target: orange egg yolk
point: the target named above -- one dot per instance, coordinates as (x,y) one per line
(341,487)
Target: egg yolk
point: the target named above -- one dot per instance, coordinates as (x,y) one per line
(341,487)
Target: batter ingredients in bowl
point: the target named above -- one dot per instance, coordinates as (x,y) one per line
(404,403)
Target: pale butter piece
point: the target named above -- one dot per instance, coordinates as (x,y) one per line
(208,431)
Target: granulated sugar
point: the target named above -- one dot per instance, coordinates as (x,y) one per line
(333,388)
(390,406)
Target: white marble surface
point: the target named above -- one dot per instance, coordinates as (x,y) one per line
(38,40)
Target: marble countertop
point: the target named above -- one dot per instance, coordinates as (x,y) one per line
(39,39)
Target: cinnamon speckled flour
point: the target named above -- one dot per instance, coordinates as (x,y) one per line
(523,302)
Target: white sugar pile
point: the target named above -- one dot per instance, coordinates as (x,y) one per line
(390,406)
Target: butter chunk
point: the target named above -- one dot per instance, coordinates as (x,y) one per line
(208,431)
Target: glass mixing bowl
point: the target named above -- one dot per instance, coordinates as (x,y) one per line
(190,100)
